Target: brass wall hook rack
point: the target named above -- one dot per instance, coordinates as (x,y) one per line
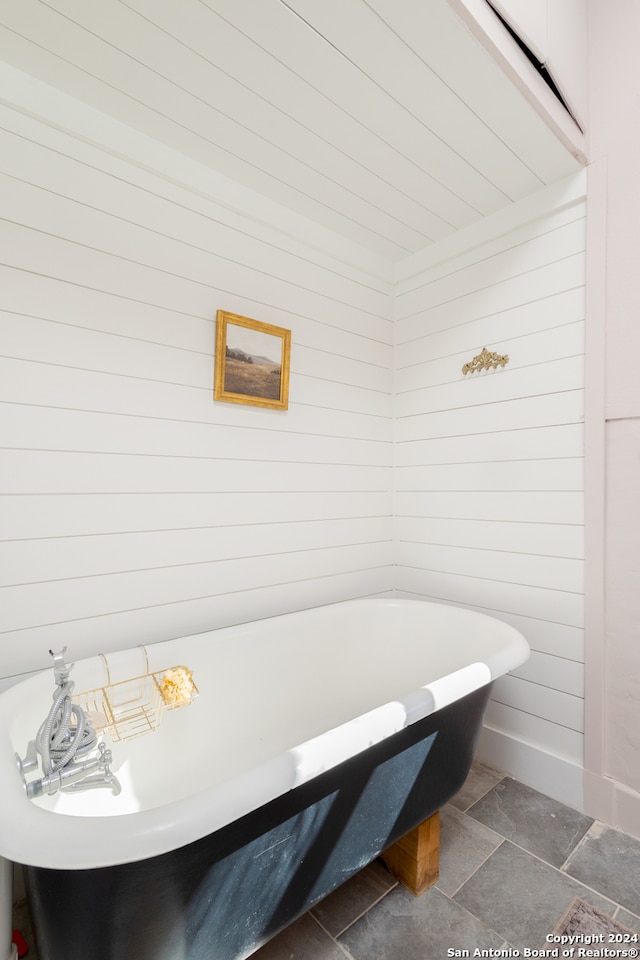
(485,360)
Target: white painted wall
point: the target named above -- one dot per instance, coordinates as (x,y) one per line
(612,781)
(489,466)
(134,507)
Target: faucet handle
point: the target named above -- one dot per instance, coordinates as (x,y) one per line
(30,761)
(106,757)
(108,778)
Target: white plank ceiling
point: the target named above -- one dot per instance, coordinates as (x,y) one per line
(383,120)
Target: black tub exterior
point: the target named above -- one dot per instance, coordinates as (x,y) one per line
(222,897)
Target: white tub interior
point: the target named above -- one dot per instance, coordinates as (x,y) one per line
(280,701)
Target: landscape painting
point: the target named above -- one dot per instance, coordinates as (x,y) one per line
(252,362)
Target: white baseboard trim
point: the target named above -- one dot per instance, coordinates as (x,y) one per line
(612,802)
(557,777)
(602,798)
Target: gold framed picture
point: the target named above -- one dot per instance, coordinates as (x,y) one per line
(252,362)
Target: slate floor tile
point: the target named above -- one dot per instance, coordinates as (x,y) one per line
(342,907)
(464,846)
(609,861)
(628,920)
(521,897)
(303,940)
(543,826)
(480,780)
(403,927)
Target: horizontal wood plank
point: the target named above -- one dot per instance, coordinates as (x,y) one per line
(501,505)
(29,516)
(536,539)
(55,601)
(526,443)
(551,737)
(556,573)
(542,474)
(63,558)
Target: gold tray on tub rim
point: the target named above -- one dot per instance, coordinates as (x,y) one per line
(130,708)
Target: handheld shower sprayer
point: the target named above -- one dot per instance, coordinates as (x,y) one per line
(64,743)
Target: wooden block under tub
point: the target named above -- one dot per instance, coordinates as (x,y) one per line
(414,859)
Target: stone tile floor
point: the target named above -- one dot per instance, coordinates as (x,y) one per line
(511,862)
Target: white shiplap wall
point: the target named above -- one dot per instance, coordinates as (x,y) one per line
(489,466)
(133,507)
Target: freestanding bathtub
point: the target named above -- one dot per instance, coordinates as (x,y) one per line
(318,739)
